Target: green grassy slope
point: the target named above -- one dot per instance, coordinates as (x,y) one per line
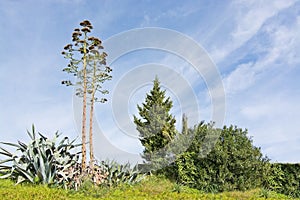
(151,188)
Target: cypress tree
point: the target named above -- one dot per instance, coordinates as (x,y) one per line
(156,125)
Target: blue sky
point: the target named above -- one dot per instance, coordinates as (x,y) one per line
(254,44)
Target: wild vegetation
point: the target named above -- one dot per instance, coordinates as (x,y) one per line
(202,162)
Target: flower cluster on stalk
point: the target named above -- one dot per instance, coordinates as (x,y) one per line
(89,47)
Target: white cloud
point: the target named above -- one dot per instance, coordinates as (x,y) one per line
(285,44)
(249,17)
(240,79)
(252,15)
(282,51)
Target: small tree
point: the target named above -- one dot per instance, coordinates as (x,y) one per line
(88,64)
(156,125)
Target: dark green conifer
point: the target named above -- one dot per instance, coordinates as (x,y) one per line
(156,125)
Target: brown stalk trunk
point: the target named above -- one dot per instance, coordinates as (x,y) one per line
(91,117)
(91,136)
(83,133)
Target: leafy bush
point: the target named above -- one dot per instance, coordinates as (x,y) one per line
(275,177)
(41,160)
(233,163)
(285,178)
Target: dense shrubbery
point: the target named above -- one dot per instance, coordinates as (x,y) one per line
(232,164)
(285,178)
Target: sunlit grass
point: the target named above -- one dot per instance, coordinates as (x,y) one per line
(153,187)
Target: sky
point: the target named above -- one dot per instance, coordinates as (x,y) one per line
(253,44)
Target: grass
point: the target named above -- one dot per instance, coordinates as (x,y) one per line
(151,188)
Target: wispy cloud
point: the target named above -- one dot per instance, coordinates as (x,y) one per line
(249,18)
(281,50)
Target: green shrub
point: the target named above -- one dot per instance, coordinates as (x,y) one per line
(233,163)
(275,177)
(285,178)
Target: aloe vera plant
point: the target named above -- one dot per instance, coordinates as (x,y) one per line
(42,160)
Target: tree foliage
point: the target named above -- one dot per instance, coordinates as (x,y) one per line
(156,125)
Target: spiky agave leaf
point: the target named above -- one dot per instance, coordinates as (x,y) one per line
(41,160)
(32,135)
(118,173)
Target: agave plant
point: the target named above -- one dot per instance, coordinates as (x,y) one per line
(41,160)
(117,173)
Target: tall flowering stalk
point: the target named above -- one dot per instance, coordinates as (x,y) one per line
(87,62)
